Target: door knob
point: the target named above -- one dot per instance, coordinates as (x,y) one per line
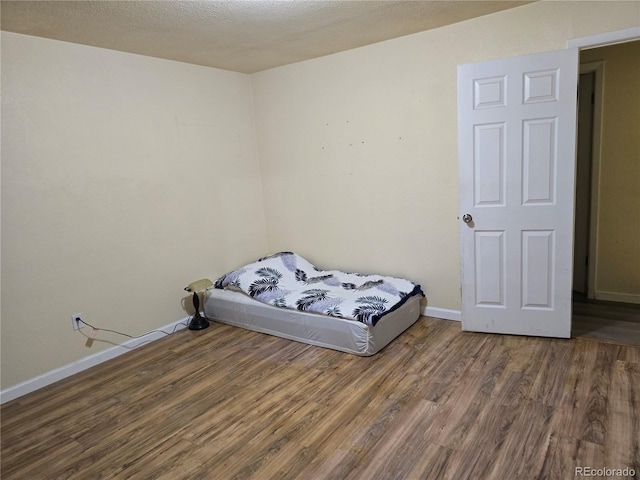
(466,218)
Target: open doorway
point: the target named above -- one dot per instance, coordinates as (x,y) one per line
(586,186)
(607,214)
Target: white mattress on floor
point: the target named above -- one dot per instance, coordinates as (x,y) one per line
(237,309)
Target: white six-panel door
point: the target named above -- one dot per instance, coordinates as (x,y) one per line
(516,133)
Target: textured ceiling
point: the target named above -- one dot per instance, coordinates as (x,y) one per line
(240,35)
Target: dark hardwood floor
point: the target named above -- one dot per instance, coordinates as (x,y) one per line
(437,403)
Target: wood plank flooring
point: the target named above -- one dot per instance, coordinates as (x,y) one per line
(606,321)
(437,403)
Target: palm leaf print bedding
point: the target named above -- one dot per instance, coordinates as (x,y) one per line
(287,280)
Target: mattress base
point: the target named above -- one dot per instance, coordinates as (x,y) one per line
(350,336)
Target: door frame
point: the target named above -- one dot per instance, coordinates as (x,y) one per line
(585,43)
(592,267)
(605,39)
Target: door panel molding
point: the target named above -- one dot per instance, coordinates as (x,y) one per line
(516,134)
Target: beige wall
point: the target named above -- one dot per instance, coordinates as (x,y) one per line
(120,173)
(124,178)
(359,149)
(618,236)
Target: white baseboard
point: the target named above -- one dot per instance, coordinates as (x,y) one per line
(443,313)
(65,371)
(78,366)
(618,297)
